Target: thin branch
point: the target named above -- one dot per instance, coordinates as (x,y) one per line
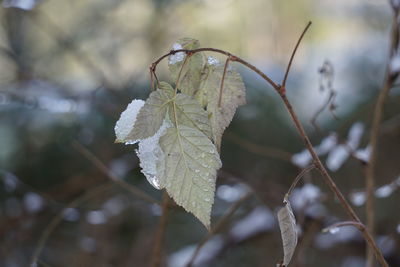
(257,149)
(367,236)
(376,121)
(156,256)
(232,58)
(58,218)
(98,164)
(221,222)
(222,81)
(293,53)
(297,179)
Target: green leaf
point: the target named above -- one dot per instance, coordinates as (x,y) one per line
(190,113)
(287,224)
(191,164)
(233,95)
(191,72)
(152,114)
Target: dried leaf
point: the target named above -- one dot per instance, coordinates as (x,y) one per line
(191,72)
(191,164)
(233,95)
(287,224)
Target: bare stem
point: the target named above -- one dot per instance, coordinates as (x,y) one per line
(222,81)
(297,179)
(293,53)
(156,258)
(376,121)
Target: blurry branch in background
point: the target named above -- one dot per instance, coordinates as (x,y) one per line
(326,83)
(69,44)
(157,251)
(103,168)
(392,73)
(221,223)
(58,218)
(264,151)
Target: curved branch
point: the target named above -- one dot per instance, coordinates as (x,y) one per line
(293,53)
(367,236)
(232,57)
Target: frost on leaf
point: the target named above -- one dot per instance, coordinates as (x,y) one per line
(191,71)
(126,122)
(191,164)
(152,160)
(189,112)
(152,114)
(233,95)
(287,224)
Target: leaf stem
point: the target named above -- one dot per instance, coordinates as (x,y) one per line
(222,81)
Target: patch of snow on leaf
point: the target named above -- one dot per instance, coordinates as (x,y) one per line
(152,159)
(212,61)
(177,57)
(259,220)
(127,120)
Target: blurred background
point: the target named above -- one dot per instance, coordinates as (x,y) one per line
(71,197)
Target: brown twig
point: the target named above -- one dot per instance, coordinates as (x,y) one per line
(98,164)
(156,256)
(367,236)
(222,81)
(374,135)
(232,58)
(221,222)
(293,53)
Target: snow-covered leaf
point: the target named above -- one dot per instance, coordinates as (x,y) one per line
(233,95)
(152,114)
(191,164)
(190,113)
(191,72)
(152,159)
(124,125)
(287,224)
